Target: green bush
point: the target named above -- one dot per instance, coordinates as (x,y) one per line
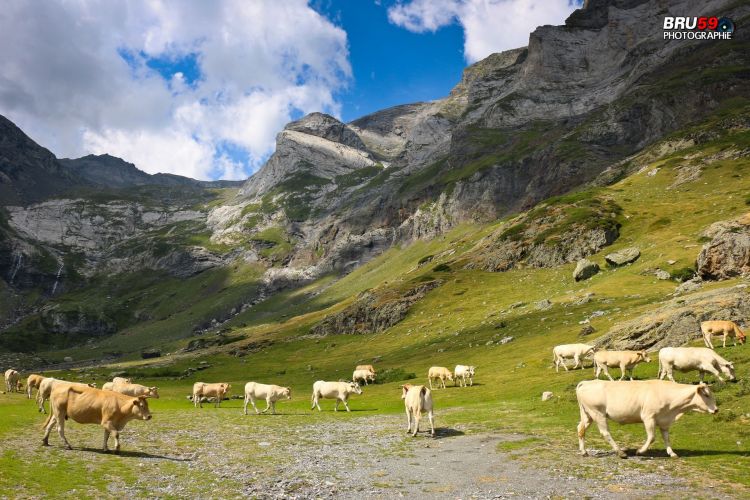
(684,274)
(394,375)
(442,268)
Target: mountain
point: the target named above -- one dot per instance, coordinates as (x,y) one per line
(94,250)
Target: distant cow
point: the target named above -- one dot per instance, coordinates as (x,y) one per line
(134,390)
(369,368)
(340,391)
(463,372)
(624,360)
(727,329)
(655,403)
(363,375)
(12,380)
(439,373)
(49,383)
(686,359)
(32,382)
(417,399)
(201,390)
(122,380)
(271,393)
(575,351)
(86,405)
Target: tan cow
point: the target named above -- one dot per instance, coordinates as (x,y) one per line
(340,391)
(624,360)
(462,373)
(32,382)
(439,373)
(655,403)
(49,383)
(121,380)
(686,359)
(417,399)
(12,380)
(727,329)
(86,405)
(217,390)
(363,375)
(271,393)
(565,351)
(369,368)
(134,390)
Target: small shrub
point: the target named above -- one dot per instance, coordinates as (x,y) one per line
(442,268)
(682,275)
(425,259)
(394,375)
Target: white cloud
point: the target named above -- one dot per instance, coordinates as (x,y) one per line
(64,81)
(489,25)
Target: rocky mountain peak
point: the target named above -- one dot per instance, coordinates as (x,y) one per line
(327,127)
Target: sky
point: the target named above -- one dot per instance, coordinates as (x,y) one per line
(202,88)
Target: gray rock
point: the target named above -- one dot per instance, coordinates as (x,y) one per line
(543,305)
(547,395)
(727,255)
(662,275)
(689,286)
(585,269)
(622,257)
(671,262)
(68,359)
(505,340)
(586,330)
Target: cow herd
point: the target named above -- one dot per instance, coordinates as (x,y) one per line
(655,403)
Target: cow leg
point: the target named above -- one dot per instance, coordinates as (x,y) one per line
(665,436)
(417,417)
(346,405)
(268,405)
(577,360)
(430,381)
(601,423)
(432,423)
(408,421)
(61,431)
(106,439)
(273,407)
(724,344)
(48,429)
(702,374)
(606,372)
(650,426)
(336,407)
(582,426)
(252,402)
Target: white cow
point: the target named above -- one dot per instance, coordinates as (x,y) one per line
(624,360)
(655,403)
(686,359)
(340,391)
(463,372)
(49,383)
(417,399)
(12,380)
(575,351)
(363,375)
(271,393)
(135,390)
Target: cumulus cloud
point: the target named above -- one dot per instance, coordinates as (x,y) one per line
(187,87)
(489,25)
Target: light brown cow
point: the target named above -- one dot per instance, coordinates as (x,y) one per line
(12,380)
(134,390)
(32,382)
(203,390)
(49,383)
(87,405)
(369,368)
(624,360)
(271,393)
(417,399)
(727,329)
(655,403)
(439,373)
(340,391)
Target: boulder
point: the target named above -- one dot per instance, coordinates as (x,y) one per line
(727,255)
(543,305)
(689,286)
(586,330)
(622,257)
(585,269)
(662,274)
(547,395)
(505,340)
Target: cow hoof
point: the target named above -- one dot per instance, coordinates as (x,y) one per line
(44,442)
(622,454)
(674,455)
(583,453)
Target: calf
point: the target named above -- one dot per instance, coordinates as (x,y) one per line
(726,329)
(363,375)
(201,390)
(32,382)
(271,393)
(576,351)
(439,373)
(340,391)
(49,383)
(463,372)
(655,403)
(12,380)
(625,360)
(417,399)
(686,359)
(86,405)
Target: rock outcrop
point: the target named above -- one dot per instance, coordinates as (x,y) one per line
(727,255)
(585,269)
(623,257)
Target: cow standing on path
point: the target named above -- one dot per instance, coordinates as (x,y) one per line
(340,391)
(271,393)
(655,403)
(49,383)
(417,399)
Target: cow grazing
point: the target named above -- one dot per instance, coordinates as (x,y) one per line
(32,382)
(655,403)
(686,359)
(49,383)
(575,351)
(340,391)
(417,399)
(440,374)
(271,393)
(134,390)
(203,390)
(86,405)
(12,380)
(624,360)
(727,329)
(462,373)
(363,375)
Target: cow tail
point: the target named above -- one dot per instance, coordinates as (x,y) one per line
(422,394)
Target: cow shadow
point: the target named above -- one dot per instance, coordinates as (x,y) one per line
(134,454)
(447,432)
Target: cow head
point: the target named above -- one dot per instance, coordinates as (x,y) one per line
(19,386)
(287,392)
(728,370)
(404,389)
(471,370)
(356,389)
(704,400)
(741,337)
(643,356)
(140,408)
(226,387)
(153,392)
